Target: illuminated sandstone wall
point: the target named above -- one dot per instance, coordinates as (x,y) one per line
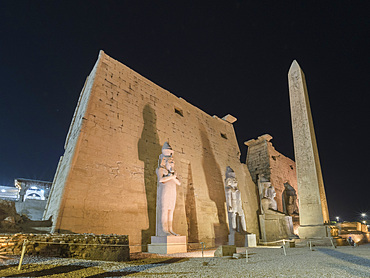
(106,181)
(72,141)
(262,158)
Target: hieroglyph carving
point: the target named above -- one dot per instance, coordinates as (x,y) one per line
(313,207)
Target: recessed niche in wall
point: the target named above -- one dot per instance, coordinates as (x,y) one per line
(179,111)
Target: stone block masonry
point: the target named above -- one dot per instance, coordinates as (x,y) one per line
(264,159)
(106,181)
(85,246)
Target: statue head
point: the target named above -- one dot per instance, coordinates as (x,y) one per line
(167,150)
(232,182)
(266,189)
(229,172)
(289,190)
(230,178)
(261,178)
(165,156)
(266,185)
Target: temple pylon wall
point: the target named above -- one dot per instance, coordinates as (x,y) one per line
(106,181)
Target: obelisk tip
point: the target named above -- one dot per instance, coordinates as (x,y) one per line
(294,66)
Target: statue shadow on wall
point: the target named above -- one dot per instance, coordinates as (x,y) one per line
(190,209)
(215,187)
(149,150)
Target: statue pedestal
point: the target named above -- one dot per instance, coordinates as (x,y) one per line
(275,226)
(242,240)
(168,245)
(250,240)
(313,231)
(236,239)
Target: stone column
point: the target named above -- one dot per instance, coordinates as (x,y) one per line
(313,210)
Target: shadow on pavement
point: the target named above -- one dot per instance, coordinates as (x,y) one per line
(345,257)
(50,271)
(134,269)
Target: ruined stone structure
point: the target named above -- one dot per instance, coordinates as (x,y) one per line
(106,181)
(263,159)
(312,206)
(112,247)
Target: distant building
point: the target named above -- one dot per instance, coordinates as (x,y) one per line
(33,195)
(356,230)
(33,189)
(9,193)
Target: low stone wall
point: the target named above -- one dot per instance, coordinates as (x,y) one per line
(357,237)
(82,246)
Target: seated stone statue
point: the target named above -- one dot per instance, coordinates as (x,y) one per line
(234,201)
(166,192)
(267,194)
(271,194)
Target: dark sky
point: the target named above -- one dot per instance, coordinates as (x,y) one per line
(221,56)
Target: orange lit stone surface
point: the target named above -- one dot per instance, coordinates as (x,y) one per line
(106,182)
(264,159)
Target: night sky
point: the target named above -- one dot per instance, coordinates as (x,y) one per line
(221,56)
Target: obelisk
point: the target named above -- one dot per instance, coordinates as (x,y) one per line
(313,208)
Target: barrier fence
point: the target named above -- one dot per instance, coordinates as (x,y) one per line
(309,242)
(283,246)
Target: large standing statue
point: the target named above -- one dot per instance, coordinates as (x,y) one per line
(234,201)
(166,192)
